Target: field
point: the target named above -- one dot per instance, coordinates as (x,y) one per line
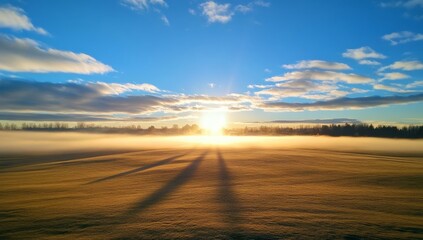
(86,186)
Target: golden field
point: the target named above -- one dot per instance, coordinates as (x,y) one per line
(86,186)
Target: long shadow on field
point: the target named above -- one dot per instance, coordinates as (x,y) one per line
(226,195)
(170,187)
(139,169)
(24,160)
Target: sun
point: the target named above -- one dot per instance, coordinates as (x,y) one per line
(213,122)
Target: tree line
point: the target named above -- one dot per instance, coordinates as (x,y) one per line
(353,130)
(357,130)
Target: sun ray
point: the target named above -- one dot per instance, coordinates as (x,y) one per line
(213,122)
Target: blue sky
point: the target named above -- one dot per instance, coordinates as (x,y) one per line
(169,61)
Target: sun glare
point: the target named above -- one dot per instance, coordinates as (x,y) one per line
(213,122)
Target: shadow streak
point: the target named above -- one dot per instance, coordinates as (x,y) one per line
(170,187)
(226,195)
(24,160)
(152,165)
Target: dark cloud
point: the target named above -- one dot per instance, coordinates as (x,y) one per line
(343,103)
(23,116)
(319,121)
(17,95)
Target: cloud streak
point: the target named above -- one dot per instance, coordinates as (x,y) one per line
(69,117)
(140,5)
(15,18)
(322,76)
(404,65)
(309,64)
(26,55)
(396,38)
(343,103)
(223,13)
(70,97)
(362,53)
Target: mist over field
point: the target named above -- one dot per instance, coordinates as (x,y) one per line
(39,142)
(93,186)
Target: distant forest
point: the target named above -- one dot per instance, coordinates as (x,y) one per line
(355,130)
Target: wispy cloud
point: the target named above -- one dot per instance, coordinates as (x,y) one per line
(322,76)
(119,88)
(306,89)
(416,84)
(405,3)
(402,37)
(308,64)
(393,76)
(165,20)
(319,121)
(15,18)
(26,55)
(404,65)
(363,53)
(368,62)
(391,88)
(143,4)
(259,86)
(223,13)
(245,8)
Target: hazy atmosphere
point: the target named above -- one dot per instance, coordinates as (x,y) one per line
(211,119)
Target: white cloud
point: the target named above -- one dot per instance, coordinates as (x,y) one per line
(402,37)
(306,89)
(262,3)
(368,62)
(141,5)
(223,13)
(393,76)
(259,86)
(243,8)
(362,53)
(307,64)
(212,85)
(15,18)
(406,3)
(160,2)
(192,11)
(26,55)
(165,20)
(416,84)
(390,88)
(118,88)
(250,6)
(322,76)
(413,3)
(216,12)
(404,65)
